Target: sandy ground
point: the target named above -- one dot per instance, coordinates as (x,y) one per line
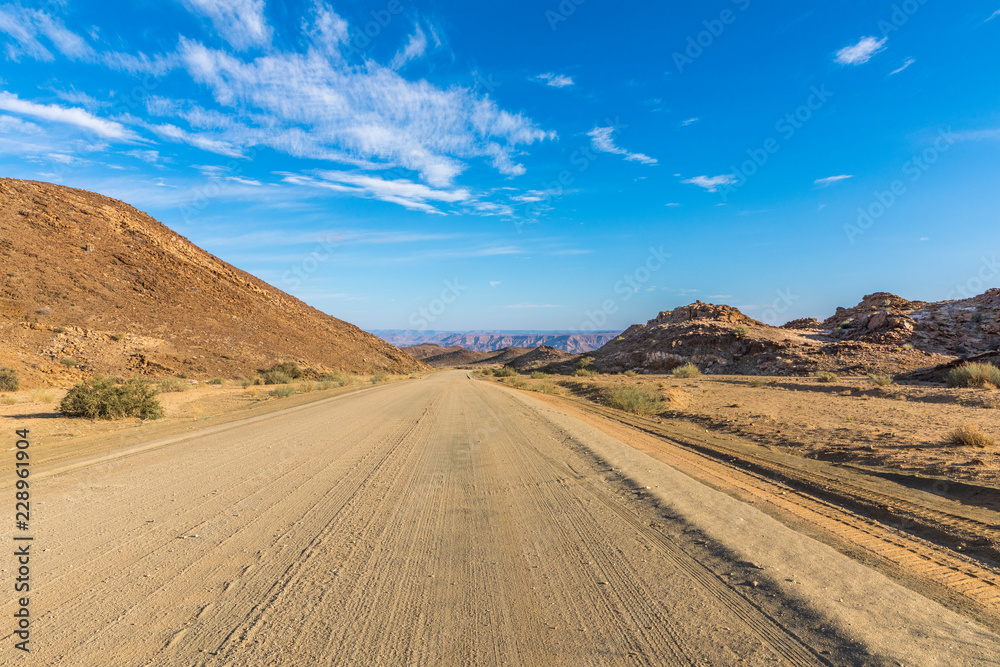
(439,521)
(898,428)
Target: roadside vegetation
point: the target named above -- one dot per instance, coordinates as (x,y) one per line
(9,379)
(974,375)
(634,399)
(105,398)
(688,370)
(971,436)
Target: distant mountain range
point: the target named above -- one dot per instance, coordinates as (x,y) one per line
(491,341)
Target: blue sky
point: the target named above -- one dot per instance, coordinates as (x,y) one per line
(532,165)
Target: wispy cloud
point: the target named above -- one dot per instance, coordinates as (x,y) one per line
(906,64)
(711,183)
(415,48)
(533,305)
(29,27)
(603,139)
(830,180)
(77,117)
(689,121)
(975,135)
(406,193)
(555,80)
(862,52)
(992,16)
(240,22)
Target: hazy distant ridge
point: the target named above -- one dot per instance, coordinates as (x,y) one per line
(490,341)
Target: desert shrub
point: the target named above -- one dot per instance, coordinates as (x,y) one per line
(103,398)
(518,383)
(970,436)
(585,362)
(217,381)
(59,330)
(974,375)
(381,377)
(505,372)
(630,374)
(275,377)
(287,368)
(547,388)
(585,372)
(284,391)
(487,371)
(688,370)
(116,337)
(638,400)
(826,376)
(757,383)
(538,375)
(8,400)
(68,361)
(908,346)
(10,380)
(169,385)
(881,380)
(741,331)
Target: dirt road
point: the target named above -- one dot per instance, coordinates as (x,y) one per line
(443,521)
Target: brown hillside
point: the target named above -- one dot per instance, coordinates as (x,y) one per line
(92,280)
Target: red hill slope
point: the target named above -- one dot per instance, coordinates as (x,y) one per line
(90,284)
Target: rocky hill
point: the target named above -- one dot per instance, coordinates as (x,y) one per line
(882,334)
(485,341)
(90,284)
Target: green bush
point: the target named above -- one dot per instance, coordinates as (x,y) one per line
(881,380)
(630,374)
(688,370)
(585,372)
(381,377)
(826,376)
(275,377)
(638,400)
(169,385)
(585,362)
(974,375)
(217,381)
(741,332)
(757,383)
(538,375)
(518,383)
(103,398)
(9,379)
(505,372)
(285,391)
(289,369)
(68,361)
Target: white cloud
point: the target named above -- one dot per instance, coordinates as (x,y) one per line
(415,48)
(406,193)
(27,27)
(309,106)
(974,135)
(603,140)
(672,204)
(906,63)
(711,183)
(830,180)
(68,115)
(206,143)
(534,305)
(494,283)
(689,121)
(862,52)
(992,16)
(240,22)
(152,157)
(555,80)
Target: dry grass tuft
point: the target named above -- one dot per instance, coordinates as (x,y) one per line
(971,436)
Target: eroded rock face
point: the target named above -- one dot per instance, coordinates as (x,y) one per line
(705,311)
